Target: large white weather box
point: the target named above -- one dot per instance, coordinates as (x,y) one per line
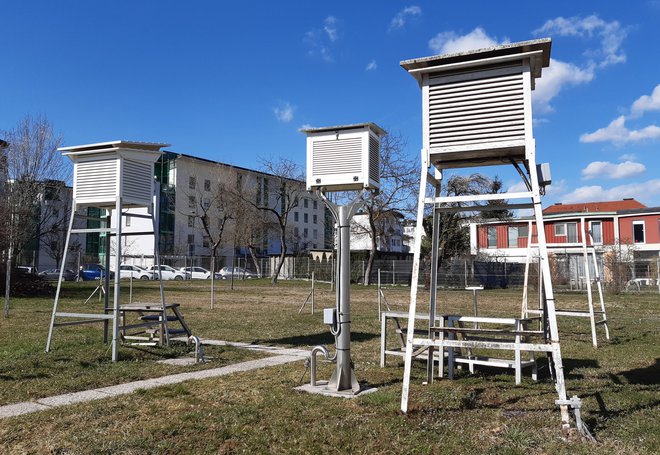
(341,158)
(477,105)
(106,171)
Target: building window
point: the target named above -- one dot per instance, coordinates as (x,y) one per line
(523,232)
(295,216)
(296,232)
(191,239)
(192,182)
(492,237)
(638,231)
(306,217)
(316,205)
(191,221)
(315,234)
(596,229)
(305,202)
(315,218)
(513,236)
(128,220)
(205,241)
(560,230)
(192,202)
(207,185)
(305,233)
(206,203)
(572,232)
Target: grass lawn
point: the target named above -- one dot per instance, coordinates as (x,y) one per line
(258,412)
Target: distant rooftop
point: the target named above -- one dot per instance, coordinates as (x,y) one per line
(595,207)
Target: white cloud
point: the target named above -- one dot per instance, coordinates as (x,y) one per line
(646,103)
(555,78)
(605,169)
(320,40)
(449,42)
(610,34)
(618,133)
(641,191)
(330,27)
(371,66)
(628,157)
(284,112)
(399,21)
(306,126)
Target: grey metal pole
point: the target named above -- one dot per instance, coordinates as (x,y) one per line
(313,292)
(344,378)
(115,306)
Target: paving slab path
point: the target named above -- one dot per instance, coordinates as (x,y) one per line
(280,357)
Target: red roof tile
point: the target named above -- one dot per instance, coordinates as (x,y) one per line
(595,207)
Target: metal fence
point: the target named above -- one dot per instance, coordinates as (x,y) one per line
(568,270)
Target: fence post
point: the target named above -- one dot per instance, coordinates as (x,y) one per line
(312,291)
(364,278)
(379,303)
(393,273)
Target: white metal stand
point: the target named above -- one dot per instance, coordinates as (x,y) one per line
(110,315)
(593,315)
(547,339)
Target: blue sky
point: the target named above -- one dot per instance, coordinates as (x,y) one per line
(235,81)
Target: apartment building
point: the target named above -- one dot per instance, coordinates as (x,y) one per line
(194,211)
(626,224)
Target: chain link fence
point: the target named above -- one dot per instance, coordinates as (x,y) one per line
(568,270)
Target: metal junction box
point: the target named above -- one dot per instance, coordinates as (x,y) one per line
(476,105)
(341,158)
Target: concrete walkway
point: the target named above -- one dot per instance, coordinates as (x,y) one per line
(280,356)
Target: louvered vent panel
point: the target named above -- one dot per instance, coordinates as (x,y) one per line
(374,159)
(339,156)
(96,180)
(476,111)
(137,180)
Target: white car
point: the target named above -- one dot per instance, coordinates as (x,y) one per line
(197,273)
(137,273)
(168,273)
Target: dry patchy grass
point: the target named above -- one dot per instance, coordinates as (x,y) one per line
(258,412)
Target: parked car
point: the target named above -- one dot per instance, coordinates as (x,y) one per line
(137,273)
(27,269)
(197,272)
(54,274)
(238,272)
(94,272)
(168,273)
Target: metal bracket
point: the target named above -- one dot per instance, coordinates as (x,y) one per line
(575,403)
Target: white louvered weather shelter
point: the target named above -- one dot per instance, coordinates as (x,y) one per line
(477,111)
(342,158)
(114,176)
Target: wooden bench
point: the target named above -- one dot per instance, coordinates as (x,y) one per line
(508,333)
(395,316)
(153,322)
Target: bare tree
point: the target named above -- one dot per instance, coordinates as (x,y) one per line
(453,235)
(399,182)
(32,161)
(286,180)
(213,209)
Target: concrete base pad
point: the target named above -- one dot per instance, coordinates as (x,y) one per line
(179,361)
(321,389)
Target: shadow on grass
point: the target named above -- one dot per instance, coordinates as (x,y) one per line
(574,364)
(315,339)
(647,376)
